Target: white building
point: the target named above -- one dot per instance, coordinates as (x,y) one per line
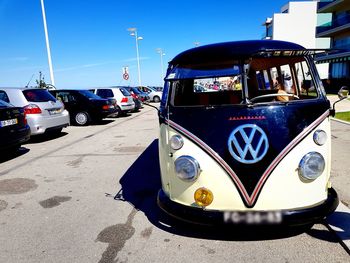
(297,23)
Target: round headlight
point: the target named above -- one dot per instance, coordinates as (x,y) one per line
(320,137)
(186,168)
(311,166)
(176,142)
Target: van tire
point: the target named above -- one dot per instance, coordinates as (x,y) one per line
(81,118)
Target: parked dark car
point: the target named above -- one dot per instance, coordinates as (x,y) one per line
(14,129)
(125,102)
(138,103)
(84,106)
(143,96)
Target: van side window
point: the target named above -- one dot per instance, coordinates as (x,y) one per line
(307,88)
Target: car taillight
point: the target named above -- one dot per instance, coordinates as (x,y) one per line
(124,99)
(24,118)
(32,109)
(105,107)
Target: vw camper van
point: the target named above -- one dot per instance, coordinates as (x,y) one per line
(245,136)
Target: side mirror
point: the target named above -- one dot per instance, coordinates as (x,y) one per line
(342,95)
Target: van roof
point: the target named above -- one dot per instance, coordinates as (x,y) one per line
(231,50)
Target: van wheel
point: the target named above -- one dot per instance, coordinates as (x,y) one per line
(82,118)
(156,99)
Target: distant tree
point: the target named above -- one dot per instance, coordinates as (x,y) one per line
(41,81)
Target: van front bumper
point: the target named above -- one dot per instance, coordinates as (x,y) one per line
(302,216)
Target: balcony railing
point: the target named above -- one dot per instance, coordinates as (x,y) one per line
(334,24)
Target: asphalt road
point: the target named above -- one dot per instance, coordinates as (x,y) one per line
(89,196)
(340,160)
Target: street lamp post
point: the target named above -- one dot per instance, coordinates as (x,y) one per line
(161,53)
(133,32)
(47,43)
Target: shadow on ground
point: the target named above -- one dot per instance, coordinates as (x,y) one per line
(102,122)
(9,155)
(140,185)
(45,137)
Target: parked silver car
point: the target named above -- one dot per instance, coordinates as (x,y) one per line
(43,112)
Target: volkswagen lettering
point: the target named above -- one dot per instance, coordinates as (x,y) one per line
(252,145)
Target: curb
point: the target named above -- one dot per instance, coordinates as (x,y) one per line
(341,121)
(339,223)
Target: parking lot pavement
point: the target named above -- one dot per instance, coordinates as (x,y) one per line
(90,196)
(339,221)
(341,106)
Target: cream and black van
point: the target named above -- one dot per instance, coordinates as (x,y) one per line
(245,136)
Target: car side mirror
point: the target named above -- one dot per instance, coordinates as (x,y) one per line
(343,94)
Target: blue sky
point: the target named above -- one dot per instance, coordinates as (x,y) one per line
(90,43)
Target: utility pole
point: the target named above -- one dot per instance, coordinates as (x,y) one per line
(47,43)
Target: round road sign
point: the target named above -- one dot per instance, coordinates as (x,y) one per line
(126,76)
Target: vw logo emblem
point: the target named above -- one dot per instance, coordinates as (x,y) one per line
(248,143)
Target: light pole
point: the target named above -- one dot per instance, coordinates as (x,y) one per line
(161,53)
(47,44)
(133,32)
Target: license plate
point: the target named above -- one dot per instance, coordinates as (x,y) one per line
(8,122)
(56,111)
(253,218)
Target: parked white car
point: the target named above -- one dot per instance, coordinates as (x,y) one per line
(43,112)
(125,102)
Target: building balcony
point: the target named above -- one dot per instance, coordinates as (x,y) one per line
(332,6)
(333,28)
(335,56)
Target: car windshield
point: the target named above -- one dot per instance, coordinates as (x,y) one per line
(88,94)
(104,93)
(261,80)
(38,95)
(136,91)
(125,92)
(4,104)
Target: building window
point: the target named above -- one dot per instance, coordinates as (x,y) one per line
(341,70)
(342,43)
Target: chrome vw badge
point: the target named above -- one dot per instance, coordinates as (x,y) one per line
(248,143)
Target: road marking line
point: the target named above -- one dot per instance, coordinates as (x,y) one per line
(339,223)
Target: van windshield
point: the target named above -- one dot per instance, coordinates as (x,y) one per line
(263,80)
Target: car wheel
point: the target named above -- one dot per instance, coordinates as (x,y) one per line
(118,112)
(82,118)
(156,99)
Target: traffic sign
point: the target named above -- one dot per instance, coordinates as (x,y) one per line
(126,73)
(126,76)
